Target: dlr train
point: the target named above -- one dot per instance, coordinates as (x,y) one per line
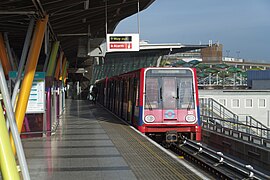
(160,102)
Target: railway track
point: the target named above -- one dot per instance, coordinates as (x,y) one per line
(215,163)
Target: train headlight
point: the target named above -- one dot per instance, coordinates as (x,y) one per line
(190,118)
(149,118)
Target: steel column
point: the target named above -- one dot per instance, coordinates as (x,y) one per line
(3,56)
(59,62)
(13,63)
(46,62)
(7,159)
(22,60)
(63,69)
(30,70)
(48,111)
(13,127)
(52,61)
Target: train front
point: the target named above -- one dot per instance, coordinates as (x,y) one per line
(170,101)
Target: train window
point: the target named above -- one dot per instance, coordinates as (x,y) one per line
(137,84)
(125,90)
(151,96)
(169,92)
(186,93)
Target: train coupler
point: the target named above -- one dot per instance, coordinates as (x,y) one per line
(171,136)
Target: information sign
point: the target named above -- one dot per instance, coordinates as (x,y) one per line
(123,42)
(36,101)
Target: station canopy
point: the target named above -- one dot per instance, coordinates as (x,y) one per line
(75,23)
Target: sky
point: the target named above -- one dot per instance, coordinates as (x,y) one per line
(242,26)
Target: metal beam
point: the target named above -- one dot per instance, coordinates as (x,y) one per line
(52,60)
(17,13)
(7,160)
(13,127)
(22,60)
(3,56)
(30,70)
(75,34)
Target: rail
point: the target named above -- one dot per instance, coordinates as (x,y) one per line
(217,163)
(238,130)
(219,115)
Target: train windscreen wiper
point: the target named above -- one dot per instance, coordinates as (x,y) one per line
(177,93)
(160,93)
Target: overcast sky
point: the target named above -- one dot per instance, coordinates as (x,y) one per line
(240,25)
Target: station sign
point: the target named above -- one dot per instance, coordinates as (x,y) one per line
(123,42)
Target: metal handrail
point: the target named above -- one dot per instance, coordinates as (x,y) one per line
(221,115)
(221,159)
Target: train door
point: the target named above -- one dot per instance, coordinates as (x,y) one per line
(114,96)
(126,99)
(136,107)
(169,98)
(130,99)
(117,96)
(121,102)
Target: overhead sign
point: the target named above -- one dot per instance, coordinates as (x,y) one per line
(123,42)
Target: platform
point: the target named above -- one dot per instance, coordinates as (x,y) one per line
(91,143)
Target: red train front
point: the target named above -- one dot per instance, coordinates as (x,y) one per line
(160,102)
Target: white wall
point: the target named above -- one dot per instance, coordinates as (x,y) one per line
(257,111)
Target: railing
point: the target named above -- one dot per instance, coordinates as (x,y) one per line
(229,167)
(219,116)
(210,107)
(239,131)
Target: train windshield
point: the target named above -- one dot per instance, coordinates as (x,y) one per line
(169,90)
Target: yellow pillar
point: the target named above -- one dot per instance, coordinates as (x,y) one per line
(30,70)
(3,56)
(7,160)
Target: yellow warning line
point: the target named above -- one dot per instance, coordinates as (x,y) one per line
(157,156)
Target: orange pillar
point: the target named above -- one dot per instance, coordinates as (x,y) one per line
(3,56)
(57,70)
(30,70)
(63,69)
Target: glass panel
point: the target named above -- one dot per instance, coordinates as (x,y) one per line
(186,95)
(169,93)
(151,96)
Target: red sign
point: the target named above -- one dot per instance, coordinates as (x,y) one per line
(120,45)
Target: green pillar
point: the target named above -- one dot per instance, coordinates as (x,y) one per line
(52,61)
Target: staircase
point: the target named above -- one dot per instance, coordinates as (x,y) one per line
(215,113)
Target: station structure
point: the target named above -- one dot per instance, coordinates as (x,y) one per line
(47,46)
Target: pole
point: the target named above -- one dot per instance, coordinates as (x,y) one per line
(30,70)
(22,60)
(7,159)
(10,56)
(52,61)
(3,56)
(13,127)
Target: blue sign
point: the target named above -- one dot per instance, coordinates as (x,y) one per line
(169,114)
